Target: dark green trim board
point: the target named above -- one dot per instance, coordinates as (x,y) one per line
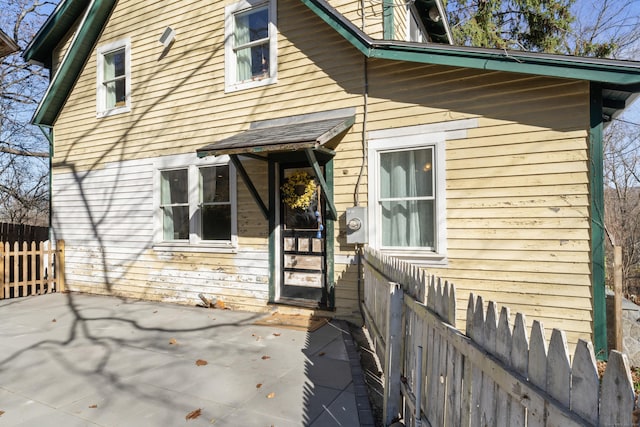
(596,187)
(330,236)
(273,240)
(387,19)
(54,29)
(48,133)
(313,162)
(66,76)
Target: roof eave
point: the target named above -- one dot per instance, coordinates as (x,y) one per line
(55,27)
(603,71)
(72,64)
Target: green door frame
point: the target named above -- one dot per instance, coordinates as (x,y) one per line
(329,232)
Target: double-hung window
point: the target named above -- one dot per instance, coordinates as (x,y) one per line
(406,188)
(251,44)
(197,206)
(174,203)
(114,78)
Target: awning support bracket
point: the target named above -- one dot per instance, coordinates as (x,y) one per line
(247,181)
(311,157)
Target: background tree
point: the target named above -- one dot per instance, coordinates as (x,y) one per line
(604,28)
(531,25)
(622,200)
(24,164)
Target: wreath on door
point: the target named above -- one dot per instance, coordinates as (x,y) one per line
(298,190)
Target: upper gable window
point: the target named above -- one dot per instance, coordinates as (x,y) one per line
(114,78)
(251,44)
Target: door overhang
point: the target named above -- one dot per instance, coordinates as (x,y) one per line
(310,134)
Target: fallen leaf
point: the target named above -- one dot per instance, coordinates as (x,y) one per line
(275,334)
(54,321)
(322,353)
(155,311)
(201,362)
(173,341)
(1,412)
(271,395)
(265,357)
(258,385)
(93,406)
(193,414)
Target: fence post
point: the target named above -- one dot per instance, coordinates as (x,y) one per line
(60,265)
(2,255)
(617,295)
(393,339)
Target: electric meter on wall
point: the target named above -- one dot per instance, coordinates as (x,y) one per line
(356,222)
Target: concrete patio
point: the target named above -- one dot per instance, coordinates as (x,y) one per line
(79,360)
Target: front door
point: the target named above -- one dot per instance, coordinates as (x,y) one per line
(302,242)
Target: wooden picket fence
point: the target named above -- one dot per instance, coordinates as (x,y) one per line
(31,269)
(495,374)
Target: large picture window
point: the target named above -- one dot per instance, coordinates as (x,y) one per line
(250,50)
(114,78)
(196,205)
(407,200)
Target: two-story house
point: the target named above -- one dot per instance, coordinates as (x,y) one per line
(218,148)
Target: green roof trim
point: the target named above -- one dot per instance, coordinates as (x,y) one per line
(53,30)
(591,69)
(73,62)
(624,76)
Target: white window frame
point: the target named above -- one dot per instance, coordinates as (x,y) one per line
(101,91)
(412,18)
(230,61)
(195,243)
(438,255)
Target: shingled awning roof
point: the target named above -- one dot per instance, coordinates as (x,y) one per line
(287,134)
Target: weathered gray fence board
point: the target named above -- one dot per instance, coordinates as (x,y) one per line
(496,374)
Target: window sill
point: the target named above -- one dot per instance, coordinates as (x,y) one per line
(422,259)
(199,247)
(113,111)
(249,84)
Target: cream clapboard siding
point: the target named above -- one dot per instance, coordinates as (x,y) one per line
(365,15)
(517,185)
(107,218)
(178,105)
(63,45)
(400,16)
